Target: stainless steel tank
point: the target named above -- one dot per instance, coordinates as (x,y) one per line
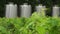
(25,10)
(11,10)
(55,12)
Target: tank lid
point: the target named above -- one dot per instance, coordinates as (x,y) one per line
(10,2)
(25,4)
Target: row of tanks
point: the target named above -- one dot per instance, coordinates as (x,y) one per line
(25,10)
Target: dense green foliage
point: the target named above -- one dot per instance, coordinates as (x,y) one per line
(36,24)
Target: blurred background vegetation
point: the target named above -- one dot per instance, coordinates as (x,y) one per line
(48,3)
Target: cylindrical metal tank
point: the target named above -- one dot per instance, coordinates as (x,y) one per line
(41,9)
(55,12)
(11,10)
(25,10)
(38,8)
